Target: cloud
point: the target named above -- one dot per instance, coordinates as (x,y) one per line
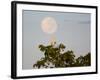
(78,21)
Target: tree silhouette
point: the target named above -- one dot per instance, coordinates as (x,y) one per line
(55,57)
(83,60)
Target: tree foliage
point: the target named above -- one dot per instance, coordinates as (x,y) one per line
(55,57)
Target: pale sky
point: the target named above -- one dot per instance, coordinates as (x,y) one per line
(73,30)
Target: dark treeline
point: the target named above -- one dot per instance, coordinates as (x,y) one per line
(56,57)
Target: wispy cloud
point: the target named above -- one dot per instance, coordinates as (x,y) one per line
(78,22)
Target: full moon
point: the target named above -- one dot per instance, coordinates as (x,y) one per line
(49,25)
